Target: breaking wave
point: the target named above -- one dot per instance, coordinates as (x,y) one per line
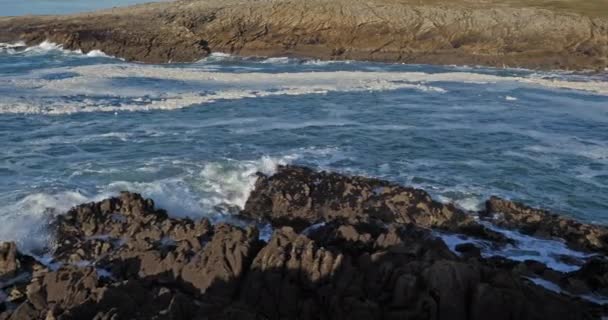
(214,190)
(46,47)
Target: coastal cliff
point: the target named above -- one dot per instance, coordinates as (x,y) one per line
(408,31)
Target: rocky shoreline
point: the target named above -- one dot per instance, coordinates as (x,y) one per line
(342,248)
(408,31)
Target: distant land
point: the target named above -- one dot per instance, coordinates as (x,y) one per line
(536,34)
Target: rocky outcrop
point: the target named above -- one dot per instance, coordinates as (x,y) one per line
(338,271)
(394,273)
(298,197)
(544,224)
(361,249)
(447,32)
(9,262)
(123,258)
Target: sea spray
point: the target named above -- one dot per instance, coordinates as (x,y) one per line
(218,184)
(47,47)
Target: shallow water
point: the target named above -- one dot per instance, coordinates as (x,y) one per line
(76,128)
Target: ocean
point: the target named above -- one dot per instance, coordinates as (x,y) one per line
(76,128)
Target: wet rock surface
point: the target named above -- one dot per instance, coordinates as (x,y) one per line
(299,196)
(541,223)
(440,32)
(345,248)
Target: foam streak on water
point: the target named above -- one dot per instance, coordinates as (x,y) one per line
(129,87)
(547,251)
(185,87)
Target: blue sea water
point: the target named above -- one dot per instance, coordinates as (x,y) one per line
(77,128)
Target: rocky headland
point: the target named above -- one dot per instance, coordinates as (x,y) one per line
(531,34)
(342,248)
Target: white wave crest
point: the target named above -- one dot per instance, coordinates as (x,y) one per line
(98,54)
(219,57)
(278,60)
(12,48)
(317,62)
(46,47)
(231,182)
(26,221)
(218,185)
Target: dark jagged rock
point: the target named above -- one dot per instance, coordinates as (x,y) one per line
(15,273)
(591,278)
(24,311)
(123,258)
(217,271)
(79,293)
(298,196)
(9,262)
(91,231)
(374,257)
(131,239)
(400,272)
(469,250)
(541,223)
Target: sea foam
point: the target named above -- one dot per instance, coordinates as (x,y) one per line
(94,88)
(547,251)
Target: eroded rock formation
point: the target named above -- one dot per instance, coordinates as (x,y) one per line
(361,249)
